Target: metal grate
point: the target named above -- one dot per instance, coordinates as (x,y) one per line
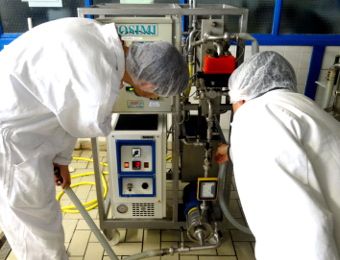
(143,210)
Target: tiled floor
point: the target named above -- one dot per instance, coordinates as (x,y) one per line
(82,244)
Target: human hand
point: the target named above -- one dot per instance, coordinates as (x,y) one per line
(62,176)
(221,154)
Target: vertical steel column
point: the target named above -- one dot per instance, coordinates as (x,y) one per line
(240,47)
(99,188)
(175,156)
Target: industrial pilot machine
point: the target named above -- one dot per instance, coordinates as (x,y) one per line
(162,175)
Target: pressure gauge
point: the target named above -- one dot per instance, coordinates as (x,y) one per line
(207,188)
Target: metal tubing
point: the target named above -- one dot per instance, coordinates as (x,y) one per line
(219,48)
(207,157)
(156,10)
(254,43)
(103,241)
(197,143)
(222,201)
(99,235)
(99,188)
(29,23)
(175,156)
(329,87)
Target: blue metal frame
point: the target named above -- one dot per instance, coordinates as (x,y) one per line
(88,3)
(298,39)
(185,19)
(314,71)
(277,17)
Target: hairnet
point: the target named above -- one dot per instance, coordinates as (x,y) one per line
(158,63)
(263,72)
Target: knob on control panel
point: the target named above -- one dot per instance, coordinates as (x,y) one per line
(145,185)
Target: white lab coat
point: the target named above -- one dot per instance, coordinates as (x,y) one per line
(286,156)
(58,82)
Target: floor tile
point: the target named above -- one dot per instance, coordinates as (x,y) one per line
(94,251)
(83,225)
(226,247)
(134,235)
(11,256)
(151,239)
(217,258)
(82,244)
(170,235)
(188,257)
(127,248)
(78,243)
(69,228)
(239,236)
(244,251)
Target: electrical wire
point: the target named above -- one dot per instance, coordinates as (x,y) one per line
(89,205)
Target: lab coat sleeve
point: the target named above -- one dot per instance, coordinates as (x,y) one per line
(76,78)
(272,172)
(65,157)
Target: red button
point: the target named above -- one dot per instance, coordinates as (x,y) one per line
(136,165)
(126,164)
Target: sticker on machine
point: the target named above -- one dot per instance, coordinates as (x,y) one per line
(135,104)
(154,103)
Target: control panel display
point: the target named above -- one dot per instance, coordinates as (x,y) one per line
(136,158)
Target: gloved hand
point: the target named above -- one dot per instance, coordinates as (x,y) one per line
(62,175)
(222,153)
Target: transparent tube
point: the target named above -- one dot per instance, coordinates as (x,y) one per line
(223,203)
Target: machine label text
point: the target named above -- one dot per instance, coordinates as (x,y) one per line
(137,29)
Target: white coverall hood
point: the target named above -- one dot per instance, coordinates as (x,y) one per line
(59,82)
(259,74)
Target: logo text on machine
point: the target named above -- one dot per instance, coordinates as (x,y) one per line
(137,29)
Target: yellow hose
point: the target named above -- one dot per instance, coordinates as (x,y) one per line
(191,73)
(89,205)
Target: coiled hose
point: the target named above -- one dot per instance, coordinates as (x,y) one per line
(89,205)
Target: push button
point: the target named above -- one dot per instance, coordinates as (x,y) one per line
(136,165)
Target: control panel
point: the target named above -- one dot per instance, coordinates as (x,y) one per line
(136,156)
(136,167)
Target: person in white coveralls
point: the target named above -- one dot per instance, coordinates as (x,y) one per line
(58,82)
(285,152)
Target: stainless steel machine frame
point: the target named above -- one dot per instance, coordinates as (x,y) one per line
(175,11)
